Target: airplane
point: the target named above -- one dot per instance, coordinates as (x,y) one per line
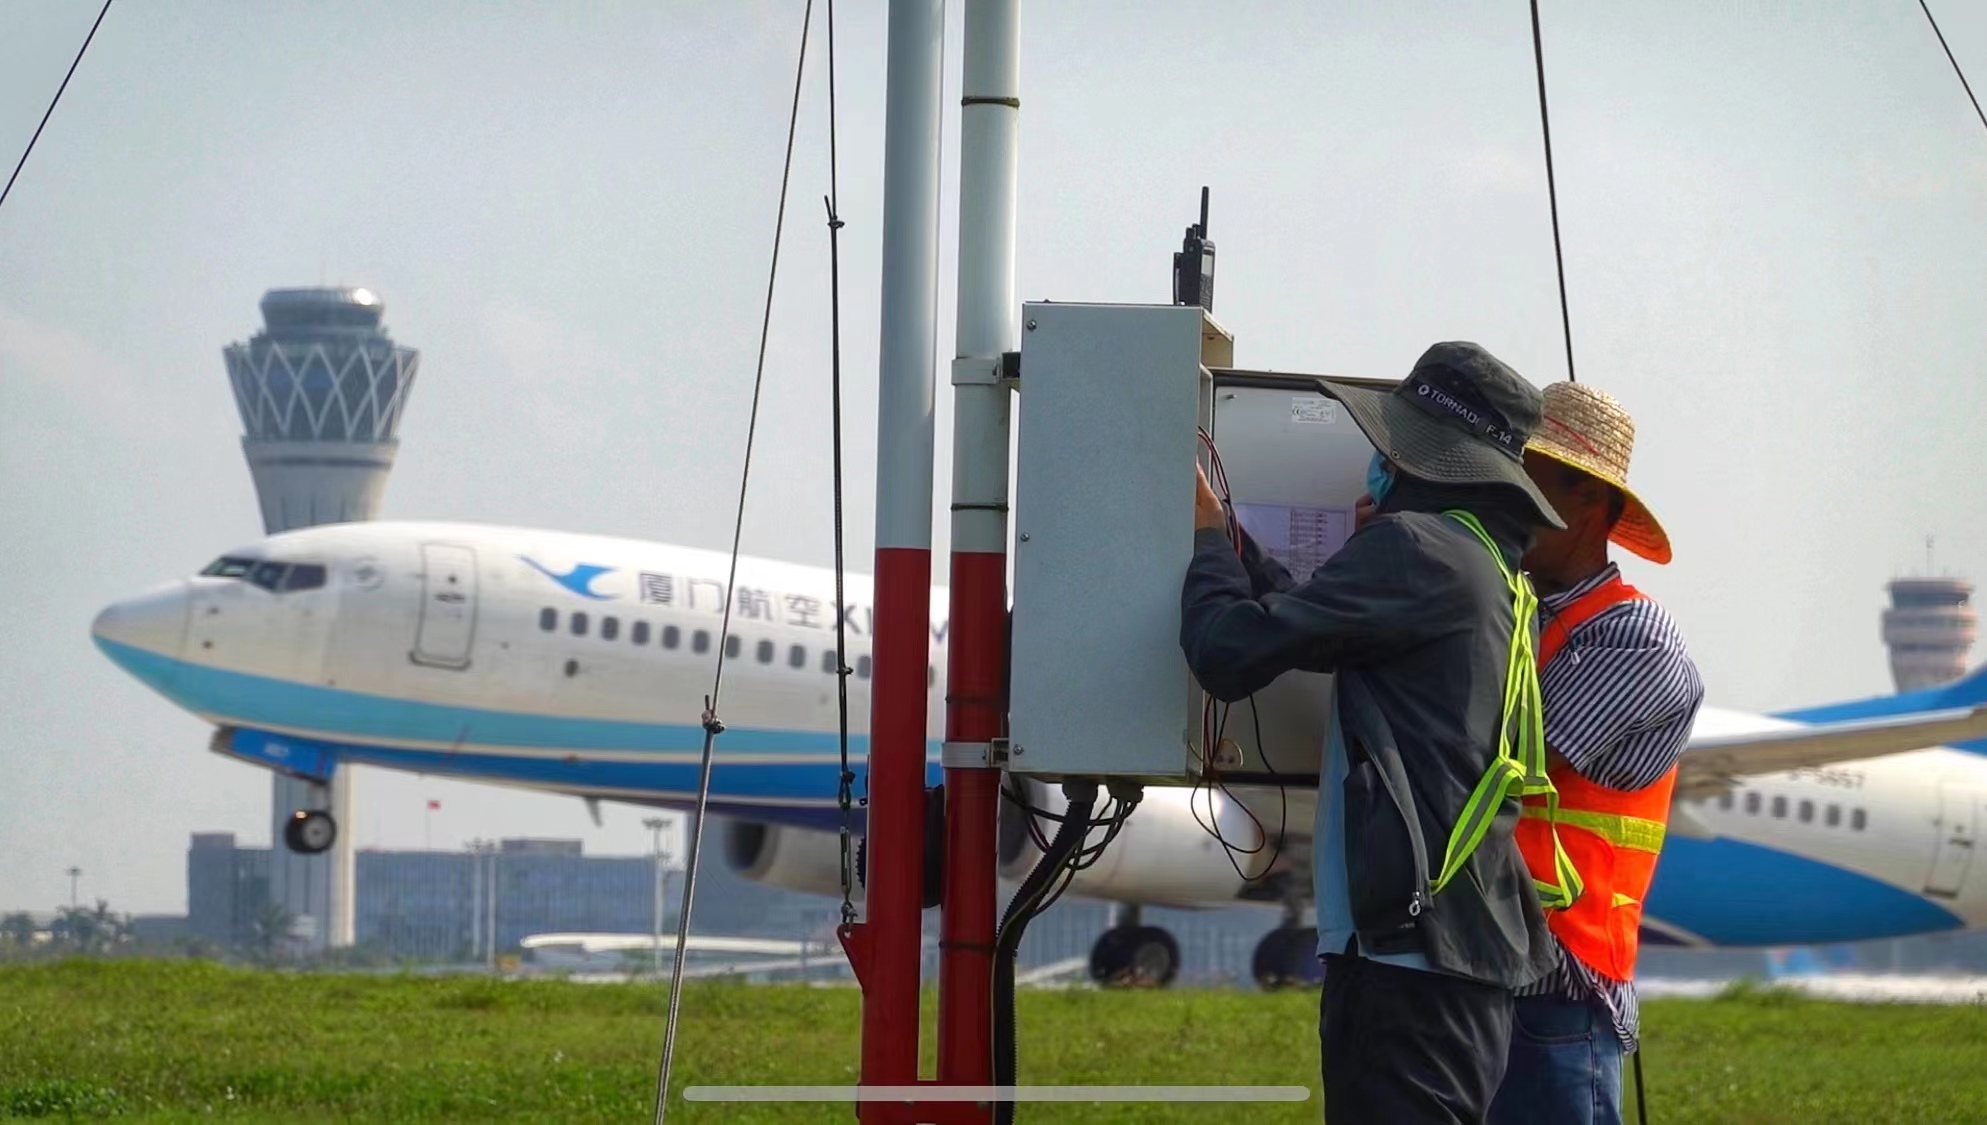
(734,956)
(578,664)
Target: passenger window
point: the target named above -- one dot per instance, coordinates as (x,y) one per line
(765,652)
(639,632)
(305,576)
(1833,817)
(733,645)
(1752,804)
(1807,812)
(1858,820)
(268,575)
(579,624)
(701,642)
(931,675)
(862,667)
(797,656)
(548,619)
(1780,808)
(828,661)
(610,628)
(672,636)
(1726,800)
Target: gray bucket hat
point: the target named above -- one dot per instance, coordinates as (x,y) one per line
(1460,417)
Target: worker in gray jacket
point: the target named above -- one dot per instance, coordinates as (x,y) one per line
(1427,916)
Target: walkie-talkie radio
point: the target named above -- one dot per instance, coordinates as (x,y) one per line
(1193,266)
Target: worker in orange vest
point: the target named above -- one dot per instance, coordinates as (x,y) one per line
(1620,694)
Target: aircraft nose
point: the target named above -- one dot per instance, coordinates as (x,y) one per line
(153,622)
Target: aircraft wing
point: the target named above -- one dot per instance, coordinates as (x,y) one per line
(614,943)
(1711,765)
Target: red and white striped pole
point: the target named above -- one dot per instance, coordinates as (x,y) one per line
(976,660)
(884,948)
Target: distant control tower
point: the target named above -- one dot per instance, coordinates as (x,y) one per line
(1929,628)
(320,389)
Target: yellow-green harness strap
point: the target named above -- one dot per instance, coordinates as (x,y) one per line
(1520,761)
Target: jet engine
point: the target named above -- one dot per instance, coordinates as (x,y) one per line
(1165,855)
(794,859)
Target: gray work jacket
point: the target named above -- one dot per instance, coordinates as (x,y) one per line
(1415,619)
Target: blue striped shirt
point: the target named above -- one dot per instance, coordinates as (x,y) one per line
(1619,700)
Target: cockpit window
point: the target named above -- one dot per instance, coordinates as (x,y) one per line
(228,567)
(268,575)
(272,576)
(304,576)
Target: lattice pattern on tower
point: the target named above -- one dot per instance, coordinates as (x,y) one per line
(324,369)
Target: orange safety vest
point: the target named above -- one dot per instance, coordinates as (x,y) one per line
(1613,836)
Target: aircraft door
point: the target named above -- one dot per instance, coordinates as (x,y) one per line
(448,606)
(1957,828)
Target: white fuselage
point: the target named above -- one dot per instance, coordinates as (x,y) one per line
(581,664)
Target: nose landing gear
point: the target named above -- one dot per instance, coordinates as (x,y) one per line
(309,831)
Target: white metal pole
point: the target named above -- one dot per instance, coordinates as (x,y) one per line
(989,154)
(909,335)
(490,905)
(989,142)
(475,903)
(886,947)
(655,825)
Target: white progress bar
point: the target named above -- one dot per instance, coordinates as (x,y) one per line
(933,1093)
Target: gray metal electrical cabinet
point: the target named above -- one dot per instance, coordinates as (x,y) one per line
(1112,400)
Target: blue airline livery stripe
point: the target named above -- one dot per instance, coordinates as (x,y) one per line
(1731,892)
(798,795)
(337,714)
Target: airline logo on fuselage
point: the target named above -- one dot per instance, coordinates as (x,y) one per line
(578,580)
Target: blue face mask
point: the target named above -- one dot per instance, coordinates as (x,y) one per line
(1379,478)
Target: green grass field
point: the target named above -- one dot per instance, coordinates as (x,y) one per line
(169,1041)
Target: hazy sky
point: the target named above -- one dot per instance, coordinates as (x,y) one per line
(1776,232)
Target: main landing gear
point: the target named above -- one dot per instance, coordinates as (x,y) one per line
(311,831)
(1287,957)
(1132,955)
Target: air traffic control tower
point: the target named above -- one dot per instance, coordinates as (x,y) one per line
(321,389)
(1929,629)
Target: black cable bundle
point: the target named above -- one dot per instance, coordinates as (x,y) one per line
(1021,909)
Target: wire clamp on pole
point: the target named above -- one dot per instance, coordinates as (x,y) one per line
(974,755)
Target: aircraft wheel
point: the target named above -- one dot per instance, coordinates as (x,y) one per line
(1135,957)
(310,831)
(1287,957)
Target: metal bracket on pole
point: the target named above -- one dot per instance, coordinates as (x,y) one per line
(976,371)
(975,755)
(984,371)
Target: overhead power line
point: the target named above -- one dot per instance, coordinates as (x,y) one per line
(1552,190)
(22,163)
(713,725)
(1964,84)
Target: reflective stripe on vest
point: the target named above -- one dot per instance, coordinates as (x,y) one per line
(1621,831)
(1613,835)
(1519,765)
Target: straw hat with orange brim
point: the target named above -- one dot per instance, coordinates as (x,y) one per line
(1588,430)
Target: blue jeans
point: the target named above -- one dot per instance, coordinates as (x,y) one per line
(1565,1065)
